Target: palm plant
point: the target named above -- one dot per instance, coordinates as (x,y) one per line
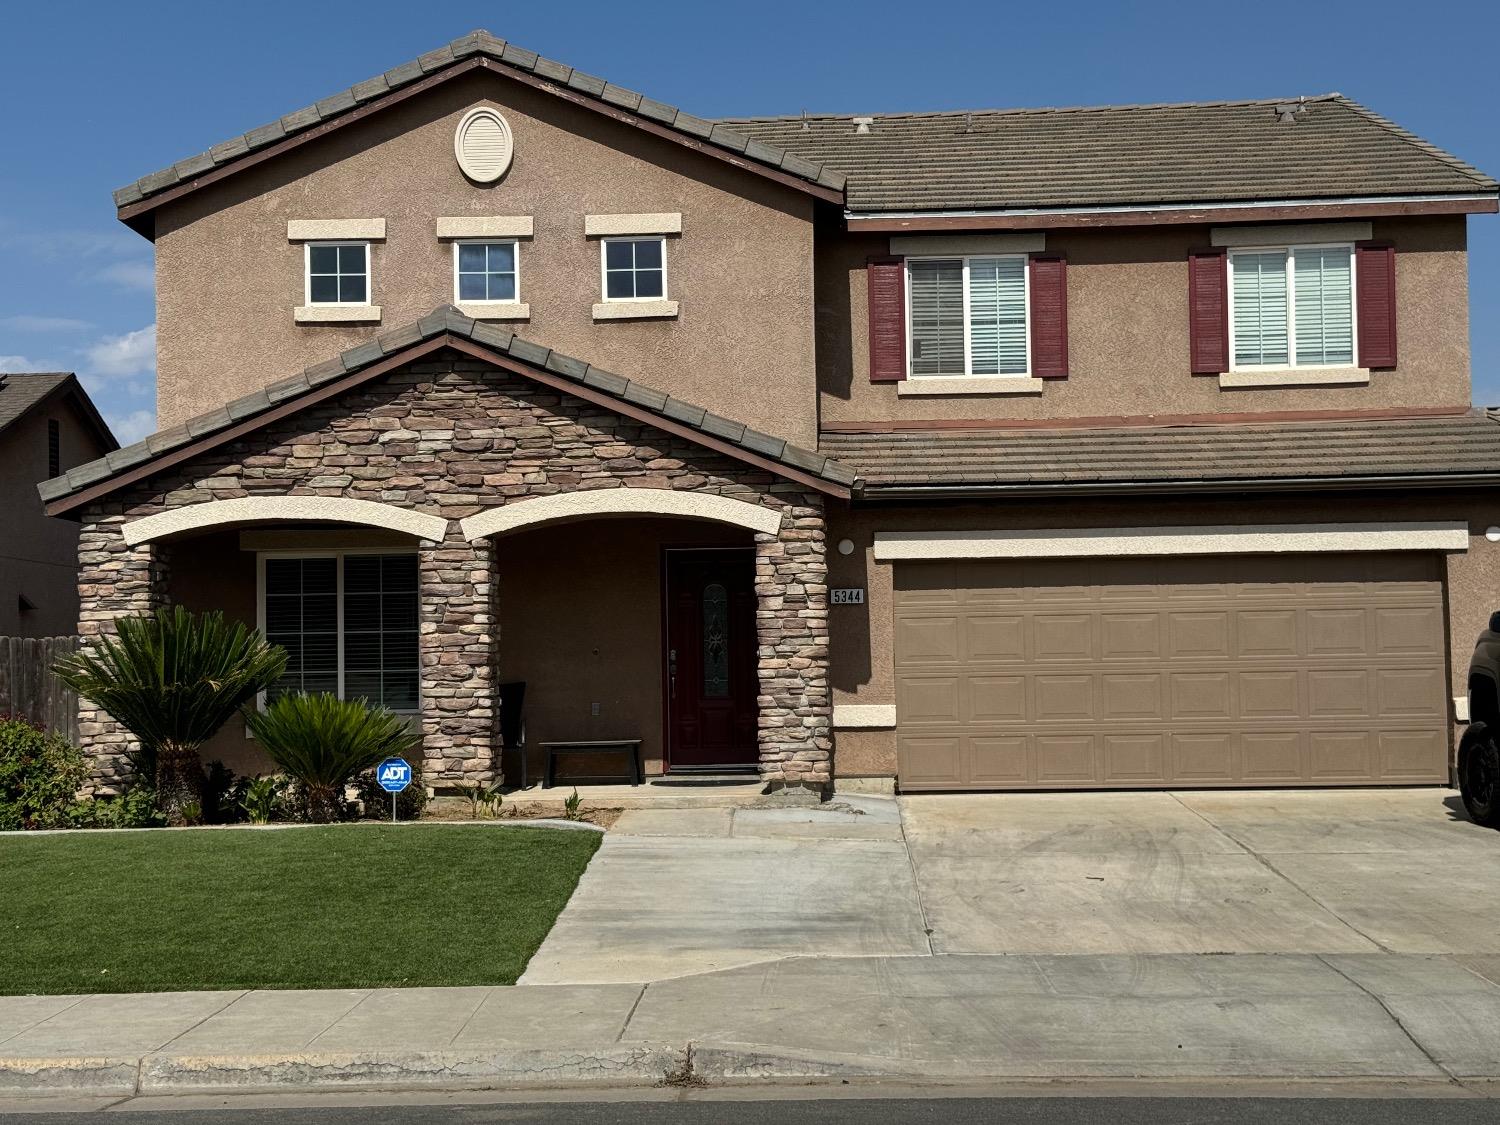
(323,741)
(173,679)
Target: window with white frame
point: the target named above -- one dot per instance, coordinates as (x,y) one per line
(968,316)
(635,269)
(486,272)
(338,273)
(348,622)
(1291,306)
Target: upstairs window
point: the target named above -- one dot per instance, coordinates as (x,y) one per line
(635,269)
(54,448)
(1291,307)
(486,272)
(338,273)
(968,316)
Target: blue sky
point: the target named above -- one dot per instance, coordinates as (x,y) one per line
(150,83)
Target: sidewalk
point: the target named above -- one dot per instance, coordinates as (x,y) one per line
(1275,1016)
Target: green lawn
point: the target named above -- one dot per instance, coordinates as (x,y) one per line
(338,907)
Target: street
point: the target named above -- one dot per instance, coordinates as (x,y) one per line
(1452,1106)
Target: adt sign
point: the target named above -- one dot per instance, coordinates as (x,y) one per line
(393,774)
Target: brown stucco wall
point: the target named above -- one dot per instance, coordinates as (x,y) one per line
(1128,333)
(580,617)
(861,640)
(741,271)
(39,553)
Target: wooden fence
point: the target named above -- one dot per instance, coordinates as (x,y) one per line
(28,687)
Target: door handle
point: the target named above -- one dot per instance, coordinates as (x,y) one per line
(672,674)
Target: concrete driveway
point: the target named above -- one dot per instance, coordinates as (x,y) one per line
(1201,872)
(674,892)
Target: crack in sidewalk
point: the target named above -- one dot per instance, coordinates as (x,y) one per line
(916,881)
(1390,1012)
(630,1015)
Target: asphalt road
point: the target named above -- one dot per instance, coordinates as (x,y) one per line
(937,1111)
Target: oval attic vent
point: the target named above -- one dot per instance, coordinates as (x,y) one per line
(483,145)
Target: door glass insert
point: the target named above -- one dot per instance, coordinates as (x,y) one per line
(715,641)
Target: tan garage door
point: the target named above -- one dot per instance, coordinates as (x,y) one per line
(1077,674)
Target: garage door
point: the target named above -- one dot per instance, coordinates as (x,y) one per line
(1077,674)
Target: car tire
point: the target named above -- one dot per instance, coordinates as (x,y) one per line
(1479,775)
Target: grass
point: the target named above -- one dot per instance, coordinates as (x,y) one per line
(344,906)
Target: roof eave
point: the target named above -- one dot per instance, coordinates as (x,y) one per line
(875,491)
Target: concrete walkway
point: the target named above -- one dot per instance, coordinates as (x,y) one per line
(910,1018)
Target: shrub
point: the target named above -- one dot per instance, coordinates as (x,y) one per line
(221,804)
(136,809)
(172,680)
(262,799)
(322,741)
(39,775)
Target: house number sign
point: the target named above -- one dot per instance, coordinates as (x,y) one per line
(855,596)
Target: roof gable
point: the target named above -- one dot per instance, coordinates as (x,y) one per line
(476,51)
(20,394)
(444,327)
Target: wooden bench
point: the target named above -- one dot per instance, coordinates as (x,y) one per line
(631,747)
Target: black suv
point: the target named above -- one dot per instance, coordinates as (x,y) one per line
(1479,749)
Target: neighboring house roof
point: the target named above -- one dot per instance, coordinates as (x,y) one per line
(21,393)
(1116,155)
(1336,452)
(478,48)
(445,326)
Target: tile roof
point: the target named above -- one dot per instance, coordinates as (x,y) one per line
(1116,155)
(21,392)
(478,44)
(1124,456)
(448,320)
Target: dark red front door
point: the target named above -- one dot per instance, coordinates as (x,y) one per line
(711,675)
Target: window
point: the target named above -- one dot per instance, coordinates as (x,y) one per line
(486,271)
(968,316)
(1292,307)
(635,269)
(348,622)
(338,273)
(54,448)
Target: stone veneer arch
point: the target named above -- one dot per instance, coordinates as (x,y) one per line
(300,509)
(568,506)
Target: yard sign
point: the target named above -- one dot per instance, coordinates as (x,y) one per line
(393,775)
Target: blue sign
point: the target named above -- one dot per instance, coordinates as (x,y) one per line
(393,774)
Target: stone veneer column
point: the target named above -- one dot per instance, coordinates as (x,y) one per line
(114,580)
(791,591)
(458,627)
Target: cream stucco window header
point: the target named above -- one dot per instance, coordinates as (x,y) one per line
(1290,234)
(600,226)
(485,226)
(335,230)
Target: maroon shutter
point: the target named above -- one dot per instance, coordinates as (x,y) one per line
(1375,291)
(886,282)
(1049,316)
(1208,311)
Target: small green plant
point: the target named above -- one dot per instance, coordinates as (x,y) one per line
(573,807)
(261,798)
(172,680)
(220,795)
(323,741)
(484,798)
(135,809)
(39,775)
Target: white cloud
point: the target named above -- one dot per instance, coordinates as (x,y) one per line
(130,354)
(59,245)
(131,427)
(28,323)
(17,363)
(130,275)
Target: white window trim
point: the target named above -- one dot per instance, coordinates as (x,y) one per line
(605,298)
(515,249)
(968,371)
(1290,249)
(338,571)
(308,302)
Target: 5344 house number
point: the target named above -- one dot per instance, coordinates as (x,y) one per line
(847,597)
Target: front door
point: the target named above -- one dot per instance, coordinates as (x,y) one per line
(711,674)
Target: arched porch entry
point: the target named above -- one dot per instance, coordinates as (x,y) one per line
(632,613)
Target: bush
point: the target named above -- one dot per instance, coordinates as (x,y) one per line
(322,741)
(40,774)
(136,809)
(376,802)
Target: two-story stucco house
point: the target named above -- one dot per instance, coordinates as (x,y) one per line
(1115,447)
